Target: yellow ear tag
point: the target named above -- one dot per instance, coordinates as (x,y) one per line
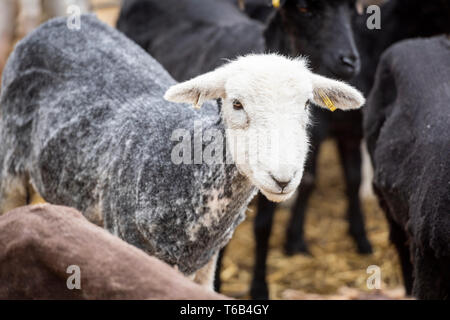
(327,101)
(276,3)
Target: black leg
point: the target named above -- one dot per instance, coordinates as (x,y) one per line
(262,229)
(431,275)
(217,280)
(350,154)
(399,239)
(264,218)
(295,242)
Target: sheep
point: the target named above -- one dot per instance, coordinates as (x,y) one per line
(203,32)
(40,247)
(206,32)
(176,31)
(401,19)
(406,124)
(85,121)
(260,10)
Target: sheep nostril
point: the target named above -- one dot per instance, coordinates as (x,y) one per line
(349,61)
(281,184)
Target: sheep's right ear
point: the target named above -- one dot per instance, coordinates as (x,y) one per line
(333,94)
(196,91)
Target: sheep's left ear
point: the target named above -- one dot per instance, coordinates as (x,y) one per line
(196,91)
(333,94)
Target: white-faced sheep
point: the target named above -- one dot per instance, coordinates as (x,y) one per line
(84,118)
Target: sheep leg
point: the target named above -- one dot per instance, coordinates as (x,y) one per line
(399,239)
(431,275)
(295,242)
(13,193)
(217,279)
(350,154)
(205,276)
(262,227)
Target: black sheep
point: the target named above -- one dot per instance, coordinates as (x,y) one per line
(400,19)
(259,10)
(406,123)
(190,37)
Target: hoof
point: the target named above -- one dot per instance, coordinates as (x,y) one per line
(301,247)
(259,291)
(364,246)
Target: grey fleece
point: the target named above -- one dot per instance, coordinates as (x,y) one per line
(83,114)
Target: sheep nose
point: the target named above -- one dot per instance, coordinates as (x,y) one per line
(349,61)
(281,183)
(345,65)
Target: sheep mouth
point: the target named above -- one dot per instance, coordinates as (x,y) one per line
(276,196)
(277,193)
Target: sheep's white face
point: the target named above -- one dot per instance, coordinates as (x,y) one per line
(265,109)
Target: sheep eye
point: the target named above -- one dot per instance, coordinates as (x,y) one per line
(304,10)
(237,105)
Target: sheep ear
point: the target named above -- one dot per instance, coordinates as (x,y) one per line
(196,91)
(333,94)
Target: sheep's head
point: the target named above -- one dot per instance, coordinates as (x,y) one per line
(265,107)
(322,30)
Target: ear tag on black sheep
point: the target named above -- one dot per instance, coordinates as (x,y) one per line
(327,101)
(276,3)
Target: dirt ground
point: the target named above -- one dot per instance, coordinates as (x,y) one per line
(334,267)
